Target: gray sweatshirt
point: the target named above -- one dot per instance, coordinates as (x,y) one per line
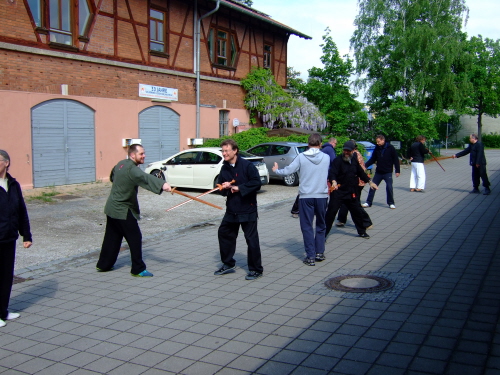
(312,166)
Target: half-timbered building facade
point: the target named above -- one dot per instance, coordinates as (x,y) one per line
(80,79)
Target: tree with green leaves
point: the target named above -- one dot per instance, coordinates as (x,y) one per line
(328,87)
(484,76)
(412,50)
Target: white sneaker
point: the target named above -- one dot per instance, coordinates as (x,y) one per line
(2,323)
(366,205)
(392,206)
(12,316)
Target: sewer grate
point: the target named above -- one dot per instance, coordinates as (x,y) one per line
(359,283)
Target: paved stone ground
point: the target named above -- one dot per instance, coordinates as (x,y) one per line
(441,317)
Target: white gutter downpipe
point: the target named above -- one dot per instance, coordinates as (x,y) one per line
(197,60)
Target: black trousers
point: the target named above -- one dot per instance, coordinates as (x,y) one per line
(228,233)
(480,172)
(352,205)
(342,217)
(7,257)
(116,229)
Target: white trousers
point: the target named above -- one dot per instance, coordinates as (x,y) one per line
(417,177)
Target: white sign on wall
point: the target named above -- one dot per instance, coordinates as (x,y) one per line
(158,92)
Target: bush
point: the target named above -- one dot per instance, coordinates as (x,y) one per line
(491,140)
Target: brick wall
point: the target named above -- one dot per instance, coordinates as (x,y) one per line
(37,73)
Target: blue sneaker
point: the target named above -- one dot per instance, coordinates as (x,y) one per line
(144,273)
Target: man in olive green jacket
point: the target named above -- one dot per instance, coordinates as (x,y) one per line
(122,211)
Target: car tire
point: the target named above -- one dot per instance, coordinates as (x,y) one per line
(215,181)
(158,173)
(292,180)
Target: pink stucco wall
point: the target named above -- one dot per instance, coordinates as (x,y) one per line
(115,119)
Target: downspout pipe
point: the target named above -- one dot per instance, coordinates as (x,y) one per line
(198,47)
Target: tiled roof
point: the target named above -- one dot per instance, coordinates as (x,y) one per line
(239,7)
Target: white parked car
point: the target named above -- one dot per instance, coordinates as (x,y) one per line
(199,168)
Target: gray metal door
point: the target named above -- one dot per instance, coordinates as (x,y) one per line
(63,141)
(159,133)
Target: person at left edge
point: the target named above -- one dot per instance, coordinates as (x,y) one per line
(241,210)
(122,211)
(13,221)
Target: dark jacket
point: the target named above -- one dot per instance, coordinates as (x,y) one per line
(244,202)
(476,151)
(13,214)
(347,175)
(417,152)
(328,149)
(386,157)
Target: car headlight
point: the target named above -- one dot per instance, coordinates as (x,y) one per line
(149,165)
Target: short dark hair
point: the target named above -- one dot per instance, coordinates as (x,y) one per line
(420,138)
(314,140)
(474,135)
(380,136)
(230,142)
(134,148)
(5,156)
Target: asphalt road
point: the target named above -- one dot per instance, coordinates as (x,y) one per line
(73,224)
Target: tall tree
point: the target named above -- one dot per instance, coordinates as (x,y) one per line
(484,76)
(328,87)
(413,50)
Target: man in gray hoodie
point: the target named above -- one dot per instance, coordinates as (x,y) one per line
(312,166)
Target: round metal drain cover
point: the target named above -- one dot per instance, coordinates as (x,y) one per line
(359,283)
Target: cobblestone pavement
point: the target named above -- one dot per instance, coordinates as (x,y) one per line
(441,316)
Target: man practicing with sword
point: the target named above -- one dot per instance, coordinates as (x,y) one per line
(478,162)
(241,210)
(122,211)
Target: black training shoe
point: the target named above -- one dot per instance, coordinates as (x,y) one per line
(224,269)
(309,261)
(474,191)
(252,275)
(320,257)
(487,191)
(364,235)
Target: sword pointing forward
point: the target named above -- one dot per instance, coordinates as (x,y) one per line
(219,187)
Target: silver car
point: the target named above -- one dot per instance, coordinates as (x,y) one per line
(282,153)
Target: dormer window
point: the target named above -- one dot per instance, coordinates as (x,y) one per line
(222,47)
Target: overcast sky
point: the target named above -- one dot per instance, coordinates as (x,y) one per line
(311,17)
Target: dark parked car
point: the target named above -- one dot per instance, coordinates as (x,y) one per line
(282,153)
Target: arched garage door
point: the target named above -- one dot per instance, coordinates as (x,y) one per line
(159,133)
(63,142)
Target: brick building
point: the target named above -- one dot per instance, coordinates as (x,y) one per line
(81,78)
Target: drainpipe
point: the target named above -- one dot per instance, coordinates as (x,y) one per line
(197,61)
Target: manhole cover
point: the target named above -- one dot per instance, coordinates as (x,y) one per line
(359,283)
